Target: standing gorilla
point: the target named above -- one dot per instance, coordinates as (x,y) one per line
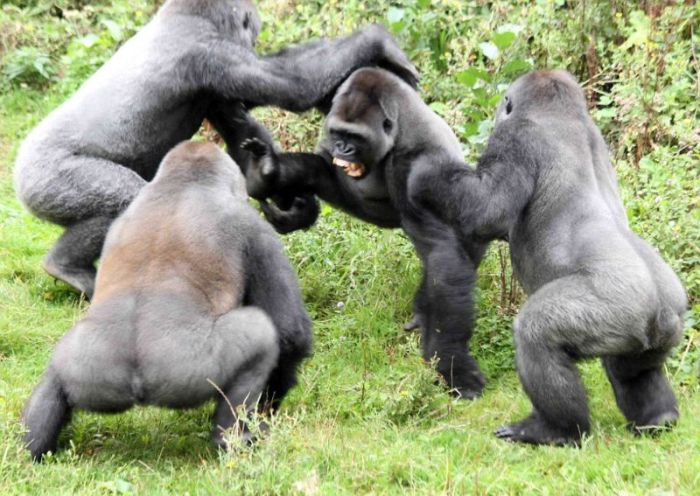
(595,288)
(377,132)
(193,288)
(88,159)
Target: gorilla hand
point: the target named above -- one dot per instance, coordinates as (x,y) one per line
(263,171)
(302,214)
(393,58)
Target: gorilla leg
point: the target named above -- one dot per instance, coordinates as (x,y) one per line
(642,391)
(248,331)
(447,325)
(46,413)
(565,320)
(84,195)
(420,306)
(72,258)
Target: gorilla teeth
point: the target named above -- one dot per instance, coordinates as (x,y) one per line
(352,169)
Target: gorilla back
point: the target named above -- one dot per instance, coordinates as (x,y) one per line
(89,158)
(193,291)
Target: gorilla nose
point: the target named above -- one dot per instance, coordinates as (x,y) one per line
(343,148)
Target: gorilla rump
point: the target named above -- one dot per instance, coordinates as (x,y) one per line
(595,288)
(193,287)
(88,159)
(377,133)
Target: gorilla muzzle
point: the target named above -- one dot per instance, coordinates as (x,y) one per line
(352,169)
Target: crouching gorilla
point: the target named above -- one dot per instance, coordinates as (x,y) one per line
(88,159)
(193,291)
(376,133)
(595,288)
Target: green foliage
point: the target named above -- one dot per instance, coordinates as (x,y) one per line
(29,66)
(367,416)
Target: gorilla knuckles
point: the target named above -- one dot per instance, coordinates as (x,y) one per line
(392,133)
(595,288)
(194,289)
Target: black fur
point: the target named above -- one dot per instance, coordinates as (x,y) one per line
(379,121)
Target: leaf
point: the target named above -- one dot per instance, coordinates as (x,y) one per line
(115,31)
(642,26)
(489,50)
(510,28)
(515,66)
(440,108)
(470,76)
(394,15)
(89,40)
(503,40)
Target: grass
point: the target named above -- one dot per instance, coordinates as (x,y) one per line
(367,416)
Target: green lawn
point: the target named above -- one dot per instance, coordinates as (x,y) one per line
(367,416)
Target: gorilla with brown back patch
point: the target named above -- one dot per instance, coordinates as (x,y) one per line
(193,291)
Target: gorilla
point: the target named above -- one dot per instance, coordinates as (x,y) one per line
(87,160)
(377,133)
(545,182)
(194,296)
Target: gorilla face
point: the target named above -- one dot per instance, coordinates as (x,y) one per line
(361,128)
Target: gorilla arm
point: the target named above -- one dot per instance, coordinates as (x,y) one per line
(301,77)
(483,203)
(274,288)
(270,174)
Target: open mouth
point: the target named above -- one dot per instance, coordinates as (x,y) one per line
(352,169)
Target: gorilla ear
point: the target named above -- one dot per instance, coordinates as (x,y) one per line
(268,169)
(391,112)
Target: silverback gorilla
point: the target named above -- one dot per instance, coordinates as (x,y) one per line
(595,288)
(193,289)
(377,132)
(88,159)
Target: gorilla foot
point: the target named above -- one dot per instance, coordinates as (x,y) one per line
(246,437)
(80,278)
(656,425)
(535,430)
(413,324)
(466,385)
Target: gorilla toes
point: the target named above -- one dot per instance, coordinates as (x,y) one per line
(535,430)
(655,425)
(415,324)
(468,386)
(241,437)
(80,278)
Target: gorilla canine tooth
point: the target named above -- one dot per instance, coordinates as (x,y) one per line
(352,169)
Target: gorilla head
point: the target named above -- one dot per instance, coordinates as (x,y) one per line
(243,27)
(542,92)
(361,128)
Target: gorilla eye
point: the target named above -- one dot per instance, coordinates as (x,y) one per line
(509,106)
(246,21)
(387,125)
